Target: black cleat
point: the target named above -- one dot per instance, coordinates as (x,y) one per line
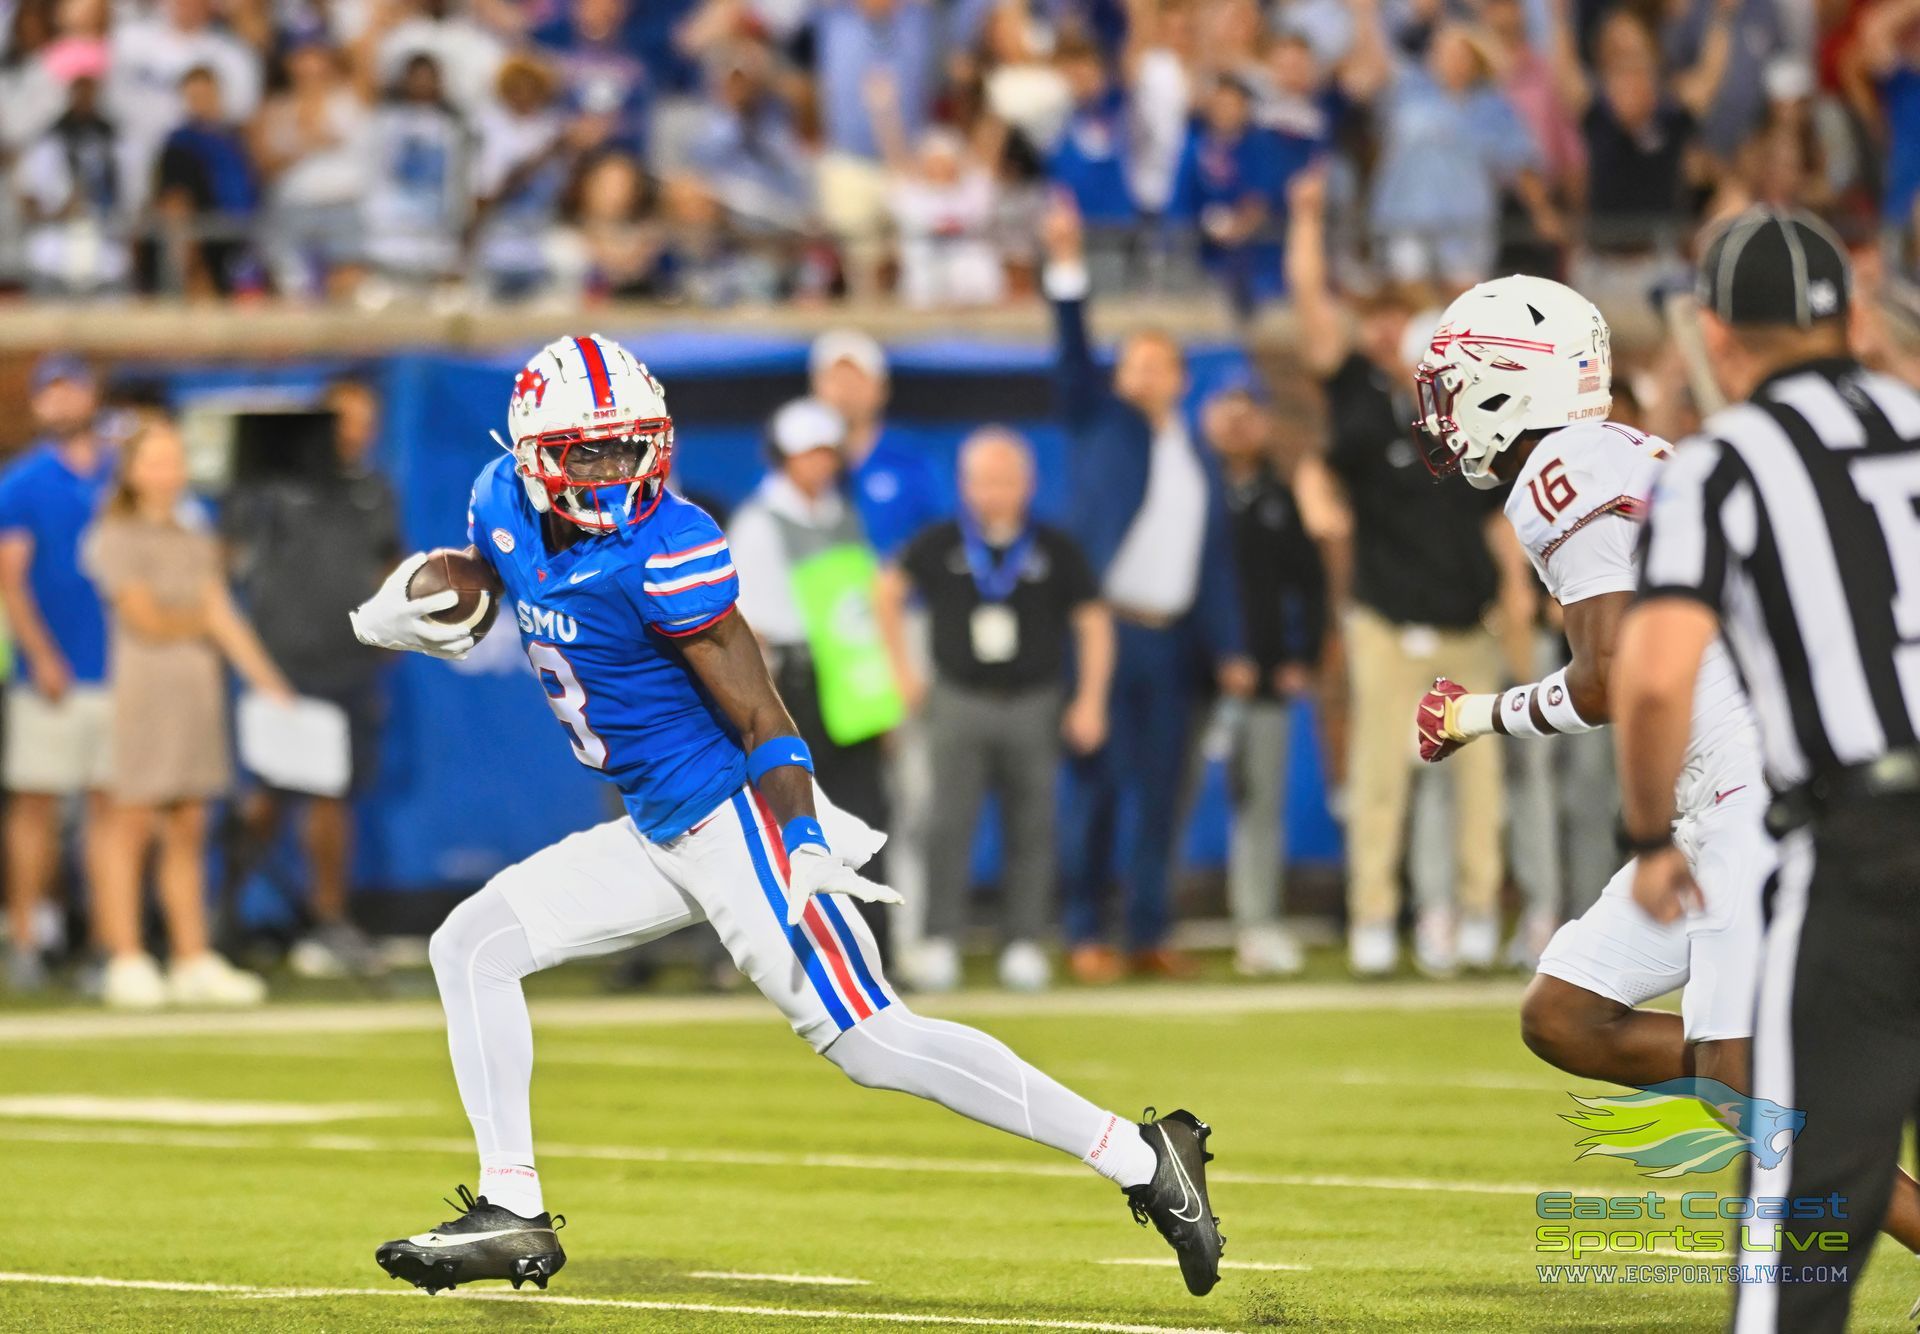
(485,1241)
(1176,1202)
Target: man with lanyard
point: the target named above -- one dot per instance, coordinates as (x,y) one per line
(1003,596)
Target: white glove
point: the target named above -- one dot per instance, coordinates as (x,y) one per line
(811,870)
(391,619)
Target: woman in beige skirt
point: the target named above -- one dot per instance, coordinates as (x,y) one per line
(173,628)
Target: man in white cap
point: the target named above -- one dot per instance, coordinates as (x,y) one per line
(808,574)
(900,494)
(893,479)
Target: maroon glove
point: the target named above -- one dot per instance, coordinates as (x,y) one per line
(1436,723)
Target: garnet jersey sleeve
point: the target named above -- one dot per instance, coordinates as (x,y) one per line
(686,579)
(1577,504)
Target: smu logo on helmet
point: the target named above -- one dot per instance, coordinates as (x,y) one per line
(530,384)
(545,623)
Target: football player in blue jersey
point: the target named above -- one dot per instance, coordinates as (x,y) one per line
(624,596)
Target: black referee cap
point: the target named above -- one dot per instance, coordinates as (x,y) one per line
(1775,266)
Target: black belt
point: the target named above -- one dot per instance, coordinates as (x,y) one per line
(1892,775)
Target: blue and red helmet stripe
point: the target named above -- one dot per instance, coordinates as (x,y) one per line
(596,363)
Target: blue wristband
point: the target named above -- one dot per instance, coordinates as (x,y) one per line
(775,754)
(801,830)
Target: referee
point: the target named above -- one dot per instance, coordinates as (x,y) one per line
(1791,524)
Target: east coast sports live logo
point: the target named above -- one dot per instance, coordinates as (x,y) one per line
(1680,1128)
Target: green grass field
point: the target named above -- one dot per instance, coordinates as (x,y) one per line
(1378,1150)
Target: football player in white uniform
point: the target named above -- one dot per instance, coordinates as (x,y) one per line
(1515,388)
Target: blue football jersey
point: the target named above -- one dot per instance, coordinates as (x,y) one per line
(598,621)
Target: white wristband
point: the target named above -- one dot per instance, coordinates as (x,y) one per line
(1516,713)
(1065,280)
(1473,714)
(1556,706)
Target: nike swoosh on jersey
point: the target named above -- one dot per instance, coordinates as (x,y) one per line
(581,576)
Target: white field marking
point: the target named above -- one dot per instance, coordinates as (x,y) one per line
(1386,1079)
(1173,1261)
(247,1290)
(850,1162)
(654,1011)
(191,1111)
(585,1057)
(805,1280)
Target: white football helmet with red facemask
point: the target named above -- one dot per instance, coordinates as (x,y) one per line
(1509,356)
(590,435)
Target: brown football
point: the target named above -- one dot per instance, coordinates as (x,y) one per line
(469,575)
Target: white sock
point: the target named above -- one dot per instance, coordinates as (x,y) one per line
(512,1186)
(1122,1154)
(479,955)
(966,1071)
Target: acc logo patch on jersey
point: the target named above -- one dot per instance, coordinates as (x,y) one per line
(502,539)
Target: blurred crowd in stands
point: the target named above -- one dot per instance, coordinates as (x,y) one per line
(722,151)
(1219,570)
(1212,581)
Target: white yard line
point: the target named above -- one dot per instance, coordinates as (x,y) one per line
(1170,1262)
(803,1280)
(1115,1002)
(192,1111)
(634,1153)
(1415,1083)
(247,1290)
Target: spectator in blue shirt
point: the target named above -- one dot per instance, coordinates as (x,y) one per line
(1295,97)
(652,33)
(58,715)
(856,39)
(1890,51)
(207,189)
(895,484)
(604,80)
(1753,34)
(1450,143)
(1090,160)
(858,44)
(746,150)
(1232,178)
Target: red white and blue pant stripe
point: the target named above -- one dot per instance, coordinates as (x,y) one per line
(830,951)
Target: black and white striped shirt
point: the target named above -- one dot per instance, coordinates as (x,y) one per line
(1796,517)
